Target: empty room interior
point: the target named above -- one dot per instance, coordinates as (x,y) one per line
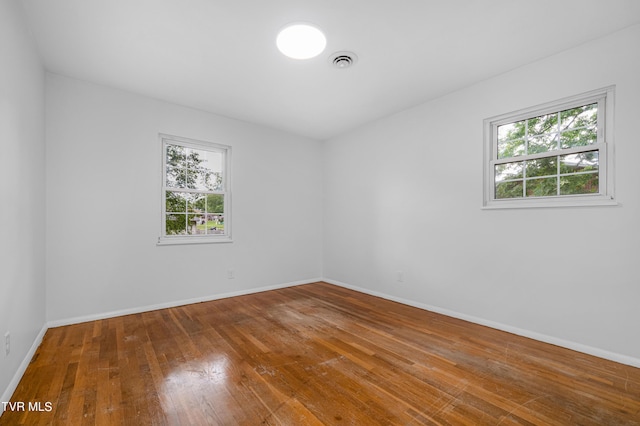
(427,218)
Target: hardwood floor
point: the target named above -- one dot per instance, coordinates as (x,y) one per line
(311,355)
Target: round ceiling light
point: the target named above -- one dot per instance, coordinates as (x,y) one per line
(301,41)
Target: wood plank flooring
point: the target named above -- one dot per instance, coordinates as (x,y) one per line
(315,354)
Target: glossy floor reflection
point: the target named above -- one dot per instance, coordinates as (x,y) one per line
(314,354)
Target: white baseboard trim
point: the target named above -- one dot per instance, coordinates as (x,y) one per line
(578,347)
(601,353)
(6,395)
(173,304)
(13,384)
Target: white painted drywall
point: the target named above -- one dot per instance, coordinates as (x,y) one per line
(401,194)
(404,194)
(103,193)
(22,193)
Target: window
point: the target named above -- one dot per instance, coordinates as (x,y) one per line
(557,154)
(195,192)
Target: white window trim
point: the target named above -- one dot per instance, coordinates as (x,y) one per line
(164,239)
(606,196)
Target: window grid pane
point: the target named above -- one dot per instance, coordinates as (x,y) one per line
(581,183)
(510,189)
(560,130)
(194,190)
(560,152)
(554,175)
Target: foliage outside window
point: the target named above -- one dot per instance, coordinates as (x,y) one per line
(195,196)
(558,154)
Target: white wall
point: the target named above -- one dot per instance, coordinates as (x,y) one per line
(401,194)
(103,194)
(404,194)
(22,196)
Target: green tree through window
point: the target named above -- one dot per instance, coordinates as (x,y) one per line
(553,153)
(553,175)
(194,189)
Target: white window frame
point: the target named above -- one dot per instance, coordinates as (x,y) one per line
(165,239)
(605,99)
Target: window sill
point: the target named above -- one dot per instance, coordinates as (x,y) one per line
(550,203)
(167,241)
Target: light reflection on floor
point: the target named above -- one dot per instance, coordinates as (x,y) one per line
(197,382)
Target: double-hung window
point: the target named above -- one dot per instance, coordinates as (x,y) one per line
(557,154)
(195,192)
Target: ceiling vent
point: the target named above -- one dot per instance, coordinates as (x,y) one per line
(343,60)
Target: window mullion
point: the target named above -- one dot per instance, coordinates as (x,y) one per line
(558,147)
(526,137)
(566,151)
(601,121)
(199,161)
(192,191)
(574,127)
(558,172)
(524,179)
(604,176)
(524,163)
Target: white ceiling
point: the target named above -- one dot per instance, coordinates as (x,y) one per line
(220,55)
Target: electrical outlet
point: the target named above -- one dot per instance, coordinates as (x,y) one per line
(400,276)
(231,274)
(7,343)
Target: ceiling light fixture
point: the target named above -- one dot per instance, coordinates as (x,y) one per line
(301,41)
